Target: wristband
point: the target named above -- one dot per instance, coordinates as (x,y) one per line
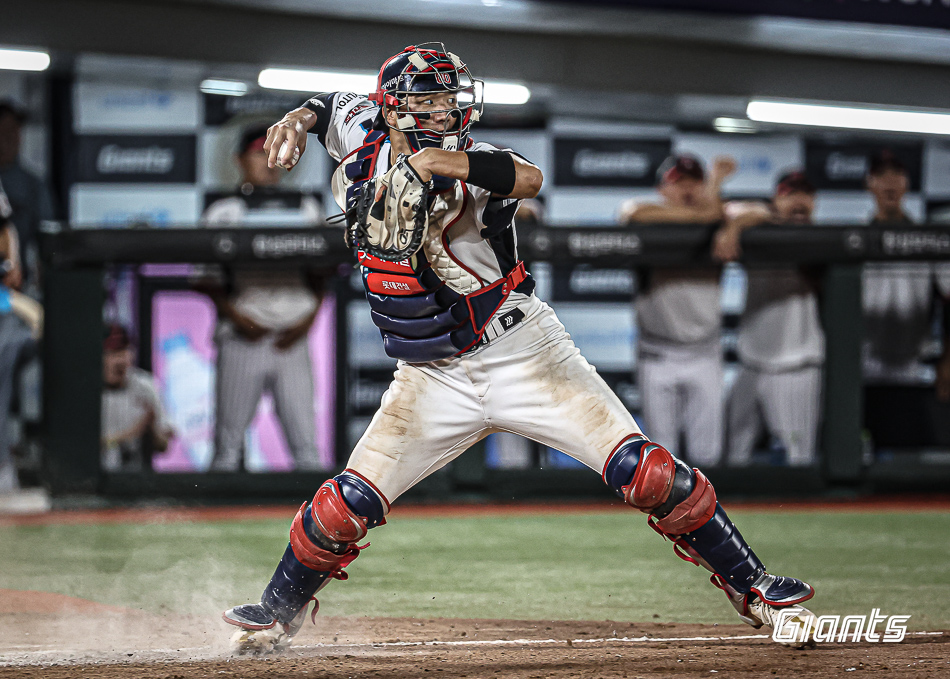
(491,170)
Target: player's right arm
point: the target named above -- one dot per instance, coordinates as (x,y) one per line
(288,137)
(341,120)
(652,212)
(740,216)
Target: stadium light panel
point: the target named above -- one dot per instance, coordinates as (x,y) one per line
(23,60)
(850,117)
(231,88)
(735,125)
(300,80)
(499,92)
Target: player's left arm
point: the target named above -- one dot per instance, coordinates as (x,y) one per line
(504,174)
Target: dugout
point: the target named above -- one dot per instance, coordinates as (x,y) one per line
(77,261)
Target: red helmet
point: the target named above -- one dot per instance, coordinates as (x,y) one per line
(429,67)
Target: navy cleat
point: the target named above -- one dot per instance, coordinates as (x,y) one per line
(775,600)
(260,632)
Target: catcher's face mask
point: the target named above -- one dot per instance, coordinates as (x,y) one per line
(406,78)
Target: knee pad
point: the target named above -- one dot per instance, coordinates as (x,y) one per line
(649,478)
(343,510)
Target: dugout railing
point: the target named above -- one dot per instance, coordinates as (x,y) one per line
(76,261)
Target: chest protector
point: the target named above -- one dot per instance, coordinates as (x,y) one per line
(420,318)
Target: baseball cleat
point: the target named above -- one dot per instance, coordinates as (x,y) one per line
(261,633)
(796,623)
(774,600)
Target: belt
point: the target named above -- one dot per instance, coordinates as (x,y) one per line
(499,326)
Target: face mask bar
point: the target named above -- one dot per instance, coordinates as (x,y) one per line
(457,81)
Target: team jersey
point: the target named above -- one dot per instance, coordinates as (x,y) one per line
(274,298)
(780,328)
(125,408)
(898,302)
(680,306)
(471,241)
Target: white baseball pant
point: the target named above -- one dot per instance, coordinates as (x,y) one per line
(244,371)
(682,393)
(788,403)
(531,380)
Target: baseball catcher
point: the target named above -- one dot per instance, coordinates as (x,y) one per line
(430,213)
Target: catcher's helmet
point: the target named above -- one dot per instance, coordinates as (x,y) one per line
(429,68)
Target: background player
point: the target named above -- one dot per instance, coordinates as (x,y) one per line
(264,315)
(21,323)
(479,352)
(679,318)
(131,406)
(781,344)
(898,297)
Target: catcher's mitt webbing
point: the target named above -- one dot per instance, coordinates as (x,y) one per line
(391,214)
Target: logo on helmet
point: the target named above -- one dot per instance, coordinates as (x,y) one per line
(443,78)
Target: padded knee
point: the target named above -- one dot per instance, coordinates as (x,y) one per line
(342,512)
(652,480)
(313,550)
(346,507)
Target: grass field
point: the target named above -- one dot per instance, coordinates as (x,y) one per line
(596,566)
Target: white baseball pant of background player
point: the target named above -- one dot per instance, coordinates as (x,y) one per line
(682,394)
(245,370)
(787,402)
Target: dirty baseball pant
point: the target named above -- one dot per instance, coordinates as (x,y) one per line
(531,381)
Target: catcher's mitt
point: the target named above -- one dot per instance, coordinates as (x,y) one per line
(389,215)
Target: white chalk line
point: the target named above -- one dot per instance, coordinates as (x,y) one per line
(565,642)
(202,652)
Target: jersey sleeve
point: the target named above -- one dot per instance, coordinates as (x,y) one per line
(343,121)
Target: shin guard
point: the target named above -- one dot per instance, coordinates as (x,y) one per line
(323,539)
(682,506)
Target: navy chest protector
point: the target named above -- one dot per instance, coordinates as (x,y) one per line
(420,318)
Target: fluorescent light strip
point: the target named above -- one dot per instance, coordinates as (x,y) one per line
(231,88)
(23,60)
(851,117)
(299,80)
(734,125)
(498,92)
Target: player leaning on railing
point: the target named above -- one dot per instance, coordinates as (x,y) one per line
(430,214)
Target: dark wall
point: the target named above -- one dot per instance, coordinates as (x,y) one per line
(656,65)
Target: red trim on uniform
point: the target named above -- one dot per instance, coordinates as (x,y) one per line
(603,474)
(382,497)
(376,264)
(514,278)
(394,284)
(445,236)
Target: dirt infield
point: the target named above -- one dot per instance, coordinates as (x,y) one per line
(51,636)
